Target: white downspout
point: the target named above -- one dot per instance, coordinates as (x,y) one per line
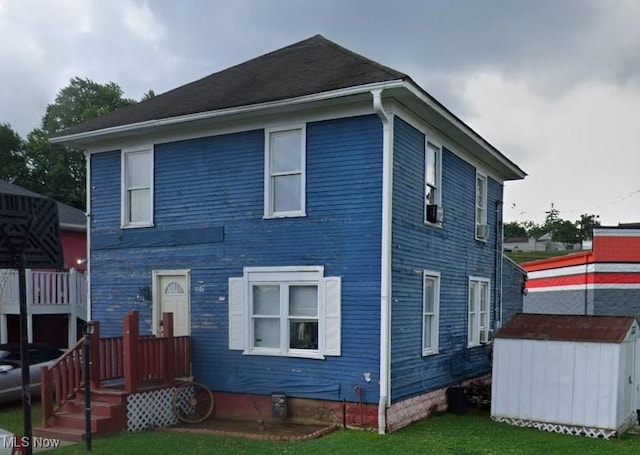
(385,275)
(88,227)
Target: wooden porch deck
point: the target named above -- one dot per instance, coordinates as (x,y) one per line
(48,293)
(119,367)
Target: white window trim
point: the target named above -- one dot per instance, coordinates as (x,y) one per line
(438,182)
(473,339)
(329,320)
(483,219)
(435,330)
(124,200)
(268,212)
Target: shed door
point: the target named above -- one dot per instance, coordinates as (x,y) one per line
(173,297)
(629,386)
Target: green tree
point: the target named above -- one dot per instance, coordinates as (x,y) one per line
(533,229)
(60,172)
(54,171)
(586,223)
(552,217)
(80,101)
(566,232)
(11,154)
(513,230)
(147,96)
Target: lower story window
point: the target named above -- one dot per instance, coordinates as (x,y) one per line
(430,312)
(285,314)
(292,311)
(478,310)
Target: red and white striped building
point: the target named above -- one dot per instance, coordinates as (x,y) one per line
(603,281)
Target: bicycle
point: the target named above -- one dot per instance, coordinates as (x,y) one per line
(192,401)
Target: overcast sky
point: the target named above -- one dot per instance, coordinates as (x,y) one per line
(554,85)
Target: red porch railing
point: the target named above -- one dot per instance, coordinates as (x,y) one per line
(141,360)
(61,381)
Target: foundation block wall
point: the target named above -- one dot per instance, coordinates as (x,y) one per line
(407,411)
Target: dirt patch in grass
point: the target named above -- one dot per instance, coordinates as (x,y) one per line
(271,431)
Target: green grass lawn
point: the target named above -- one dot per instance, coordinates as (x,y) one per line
(526,256)
(472,433)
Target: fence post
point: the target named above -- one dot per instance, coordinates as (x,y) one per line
(130,344)
(169,346)
(95,358)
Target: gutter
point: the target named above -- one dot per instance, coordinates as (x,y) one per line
(385,262)
(73,227)
(88,137)
(82,139)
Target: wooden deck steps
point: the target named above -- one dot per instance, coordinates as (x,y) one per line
(108,416)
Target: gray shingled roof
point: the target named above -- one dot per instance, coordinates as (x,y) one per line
(68,217)
(315,65)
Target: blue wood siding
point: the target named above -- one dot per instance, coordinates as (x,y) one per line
(513,279)
(451,250)
(218,183)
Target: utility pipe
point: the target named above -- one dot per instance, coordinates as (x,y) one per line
(385,262)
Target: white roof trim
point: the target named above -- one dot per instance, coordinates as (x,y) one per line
(91,136)
(451,118)
(84,138)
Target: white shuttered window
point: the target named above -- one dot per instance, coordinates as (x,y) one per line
(290,311)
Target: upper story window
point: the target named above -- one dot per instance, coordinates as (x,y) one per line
(137,187)
(432,197)
(285,173)
(482,229)
(430,312)
(478,311)
(285,311)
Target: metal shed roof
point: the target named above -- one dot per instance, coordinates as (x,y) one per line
(606,329)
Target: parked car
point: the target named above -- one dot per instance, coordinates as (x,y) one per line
(11,368)
(6,446)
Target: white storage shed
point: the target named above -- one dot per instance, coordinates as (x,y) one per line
(567,373)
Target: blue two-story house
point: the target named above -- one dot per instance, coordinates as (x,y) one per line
(319,225)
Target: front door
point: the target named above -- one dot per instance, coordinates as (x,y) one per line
(171,295)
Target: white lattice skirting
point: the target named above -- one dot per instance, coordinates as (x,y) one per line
(575,430)
(151,409)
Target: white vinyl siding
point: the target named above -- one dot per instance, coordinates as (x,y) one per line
(286,311)
(137,187)
(479,309)
(285,163)
(430,312)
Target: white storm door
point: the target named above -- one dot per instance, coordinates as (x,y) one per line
(173,297)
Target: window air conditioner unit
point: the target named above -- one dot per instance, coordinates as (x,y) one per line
(435,213)
(482,231)
(486,336)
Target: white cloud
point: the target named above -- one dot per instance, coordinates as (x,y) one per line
(141,21)
(578,148)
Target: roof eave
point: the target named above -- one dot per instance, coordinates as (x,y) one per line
(510,170)
(456,127)
(73,227)
(90,137)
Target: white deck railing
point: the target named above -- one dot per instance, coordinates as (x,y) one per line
(44,288)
